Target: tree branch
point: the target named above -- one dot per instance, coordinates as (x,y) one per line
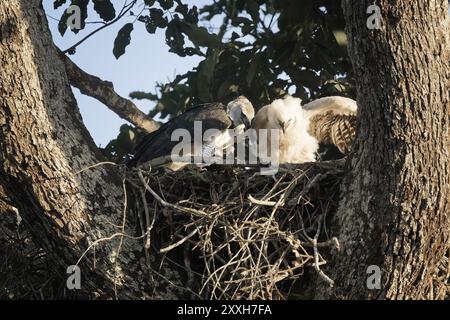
(104,92)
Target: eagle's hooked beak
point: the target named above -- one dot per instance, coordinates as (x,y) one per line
(282,126)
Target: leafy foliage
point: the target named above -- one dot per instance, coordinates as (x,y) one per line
(262,49)
(105,9)
(58,3)
(123,39)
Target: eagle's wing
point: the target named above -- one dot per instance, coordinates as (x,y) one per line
(332,120)
(158,143)
(336,129)
(339,105)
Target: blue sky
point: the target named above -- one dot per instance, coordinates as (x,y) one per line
(146,62)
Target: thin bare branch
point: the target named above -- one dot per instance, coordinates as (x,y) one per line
(104,92)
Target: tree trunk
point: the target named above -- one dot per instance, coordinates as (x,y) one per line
(395,208)
(43,146)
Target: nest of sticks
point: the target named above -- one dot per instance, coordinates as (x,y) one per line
(236,234)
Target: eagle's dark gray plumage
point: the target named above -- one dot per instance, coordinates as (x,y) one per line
(158,144)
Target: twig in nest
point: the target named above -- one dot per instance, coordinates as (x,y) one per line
(167,204)
(111,237)
(313,242)
(178,243)
(148,226)
(261,202)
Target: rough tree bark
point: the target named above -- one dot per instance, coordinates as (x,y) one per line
(395,210)
(43,146)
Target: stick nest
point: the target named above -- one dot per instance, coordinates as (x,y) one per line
(237,234)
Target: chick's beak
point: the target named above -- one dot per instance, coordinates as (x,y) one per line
(282,126)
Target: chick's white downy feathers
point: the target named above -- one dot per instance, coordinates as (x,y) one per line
(325,121)
(295,144)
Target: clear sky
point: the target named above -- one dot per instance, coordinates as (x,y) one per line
(146,62)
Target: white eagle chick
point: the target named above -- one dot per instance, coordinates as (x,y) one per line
(286,116)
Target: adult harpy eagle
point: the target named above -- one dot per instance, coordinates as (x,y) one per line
(237,115)
(325,121)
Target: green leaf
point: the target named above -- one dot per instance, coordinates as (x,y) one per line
(226,90)
(105,9)
(205,73)
(183,9)
(140,95)
(62,24)
(166,4)
(252,8)
(235,36)
(58,3)
(123,39)
(157,16)
(306,78)
(200,36)
(149,24)
(192,15)
(252,70)
(174,38)
(246,29)
(154,21)
(241,20)
(119,149)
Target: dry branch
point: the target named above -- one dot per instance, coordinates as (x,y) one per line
(104,92)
